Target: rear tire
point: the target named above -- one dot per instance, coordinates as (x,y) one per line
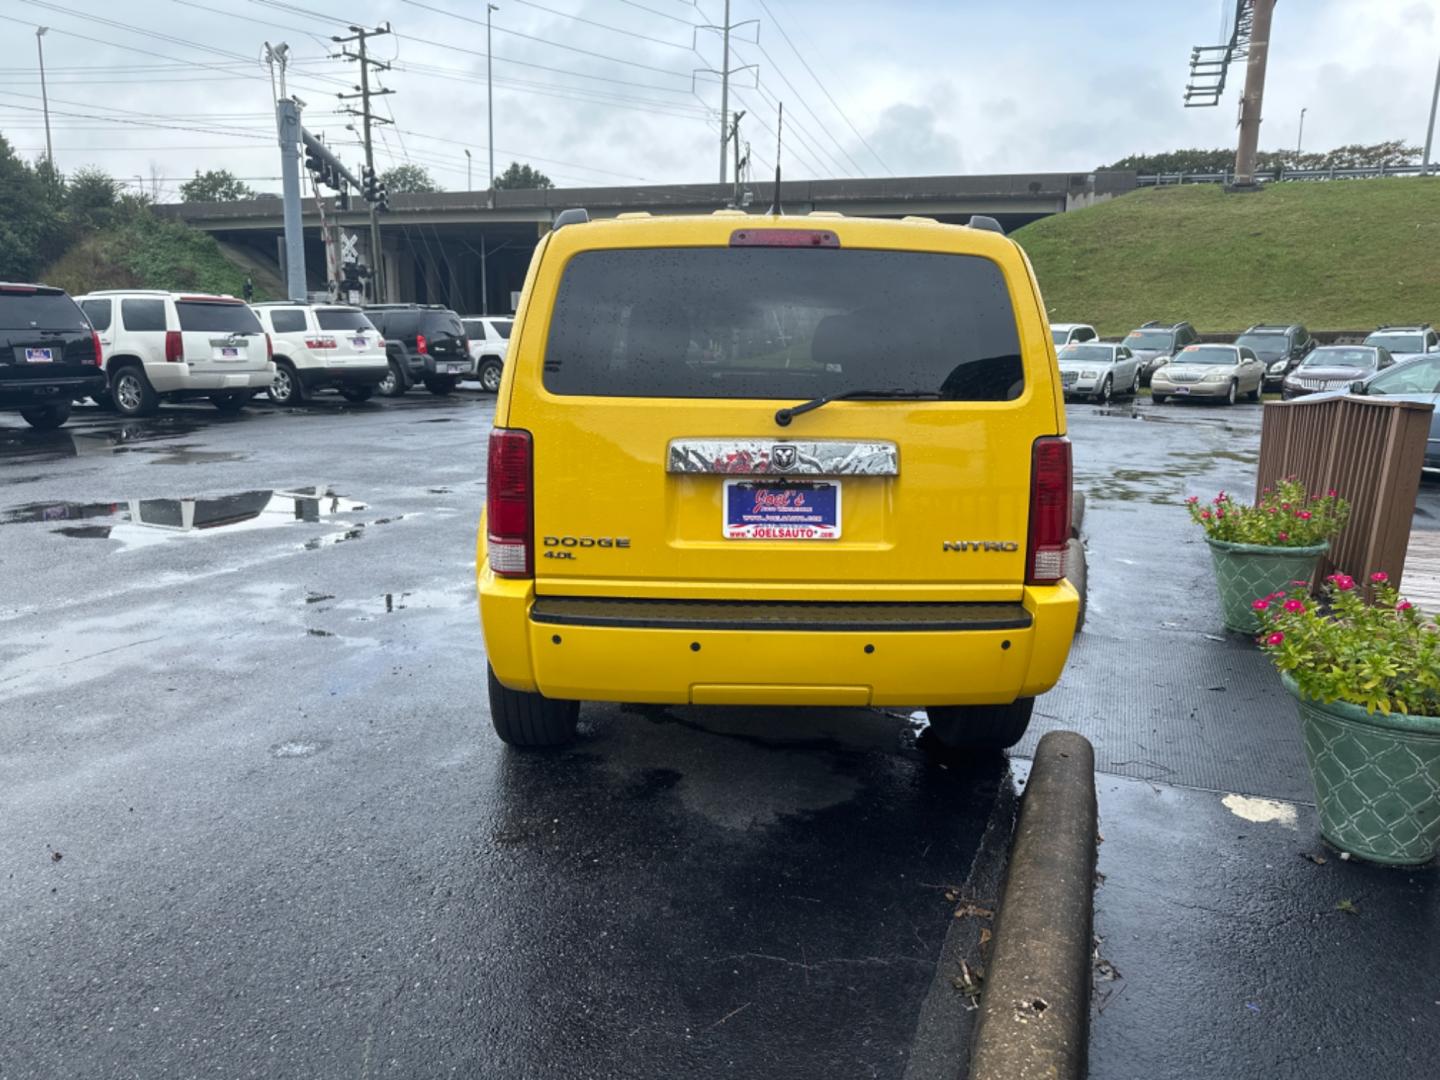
(393,385)
(286,388)
(131,391)
(1254,395)
(46,417)
(490,372)
(230,404)
(357,394)
(980,727)
(440,387)
(529,720)
(1135,386)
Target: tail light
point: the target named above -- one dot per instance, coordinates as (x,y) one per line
(99,352)
(321,343)
(174,347)
(1050,481)
(421,345)
(510,504)
(269,348)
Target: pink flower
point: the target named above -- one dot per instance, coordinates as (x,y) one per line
(1275,638)
(1344,582)
(1282,537)
(1276,596)
(1303,515)
(1333,494)
(1404,605)
(1294,606)
(1272,509)
(1379,577)
(1219,513)
(1306,584)
(1204,515)
(1261,605)
(1192,500)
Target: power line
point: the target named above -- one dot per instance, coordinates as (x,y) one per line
(604,26)
(829,97)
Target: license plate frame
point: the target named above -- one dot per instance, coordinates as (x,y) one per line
(792,510)
(40,356)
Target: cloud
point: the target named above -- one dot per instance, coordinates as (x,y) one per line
(909,140)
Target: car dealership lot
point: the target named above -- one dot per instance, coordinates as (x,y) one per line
(257,822)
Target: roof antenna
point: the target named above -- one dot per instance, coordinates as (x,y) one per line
(779,123)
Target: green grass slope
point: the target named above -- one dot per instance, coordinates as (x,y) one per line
(141,251)
(1337,255)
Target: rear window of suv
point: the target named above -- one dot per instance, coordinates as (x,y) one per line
(342,319)
(220,318)
(782,322)
(46,311)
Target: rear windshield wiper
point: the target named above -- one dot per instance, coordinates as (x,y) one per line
(785,415)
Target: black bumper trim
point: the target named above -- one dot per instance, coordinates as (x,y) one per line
(320,378)
(642,614)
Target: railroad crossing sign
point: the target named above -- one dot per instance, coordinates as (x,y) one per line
(349,252)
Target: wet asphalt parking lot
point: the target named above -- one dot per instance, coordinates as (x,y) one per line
(254,822)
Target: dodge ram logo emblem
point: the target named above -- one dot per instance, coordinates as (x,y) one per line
(782,457)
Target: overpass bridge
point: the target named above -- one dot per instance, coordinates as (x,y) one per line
(456,248)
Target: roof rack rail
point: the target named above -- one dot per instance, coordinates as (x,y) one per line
(577,215)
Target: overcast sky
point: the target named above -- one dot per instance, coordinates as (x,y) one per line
(599,92)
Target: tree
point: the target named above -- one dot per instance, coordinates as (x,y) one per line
(215,185)
(403,178)
(518,177)
(32,229)
(1393,152)
(91,199)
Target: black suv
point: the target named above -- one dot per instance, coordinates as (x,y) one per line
(1279,346)
(425,343)
(1155,343)
(49,354)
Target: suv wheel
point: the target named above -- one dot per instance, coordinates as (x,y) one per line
(490,372)
(132,393)
(528,720)
(286,388)
(46,417)
(356,393)
(230,403)
(980,727)
(440,387)
(393,385)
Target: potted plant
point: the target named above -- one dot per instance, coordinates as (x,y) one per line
(1366,675)
(1260,549)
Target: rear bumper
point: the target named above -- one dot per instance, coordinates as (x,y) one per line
(178,378)
(431,367)
(20,393)
(318,378)
(737,653)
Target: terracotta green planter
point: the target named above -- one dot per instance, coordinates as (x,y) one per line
(1247,572)
(1377,779)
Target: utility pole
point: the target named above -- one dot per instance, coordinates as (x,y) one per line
(1430,131)
(1251,100)
(287,119)
(724,91)
(735,138)
(490,106)
(359,35)
(45,97)
(469,176)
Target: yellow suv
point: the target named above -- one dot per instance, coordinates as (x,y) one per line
(764,460)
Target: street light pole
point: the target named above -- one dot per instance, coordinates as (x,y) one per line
(1300,137)
(490,104)
(45,96)
(469,176)
(1430,131)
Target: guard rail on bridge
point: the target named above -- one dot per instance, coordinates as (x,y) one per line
(1271,176)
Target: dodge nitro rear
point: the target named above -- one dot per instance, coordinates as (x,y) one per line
(743,460)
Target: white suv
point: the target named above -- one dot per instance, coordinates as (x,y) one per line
(489,338)
(320,346)
(165,346)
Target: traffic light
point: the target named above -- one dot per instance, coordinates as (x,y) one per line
(382,198)
(367,183)
(312,160)
(342,201)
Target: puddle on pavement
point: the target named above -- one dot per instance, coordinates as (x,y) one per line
(294,748)
(183,455)
(147,521)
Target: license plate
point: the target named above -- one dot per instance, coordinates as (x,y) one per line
(1182,390)
(40,356)
(359,342)
(454,369)
(228,351)
(757,510)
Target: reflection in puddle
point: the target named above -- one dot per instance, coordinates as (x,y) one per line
(149,521)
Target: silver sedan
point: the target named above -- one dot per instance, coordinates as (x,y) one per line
(1098,369)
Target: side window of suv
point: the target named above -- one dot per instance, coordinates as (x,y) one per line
(287,320)
(98,312)
(143,315)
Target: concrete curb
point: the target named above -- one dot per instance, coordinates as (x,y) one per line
(1035,1009)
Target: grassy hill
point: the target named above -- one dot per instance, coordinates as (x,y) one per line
(1345,254)
(142,251)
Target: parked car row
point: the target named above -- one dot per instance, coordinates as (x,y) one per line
(131,350)
(1173,361)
